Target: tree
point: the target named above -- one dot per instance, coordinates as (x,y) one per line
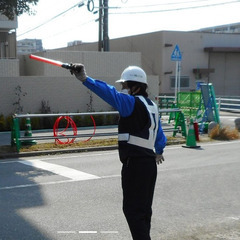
(10,8)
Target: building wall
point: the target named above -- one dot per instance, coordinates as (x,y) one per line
(27,46)
(5,23)
(226,79)
(63,94)
(7,37)
(104,64)
(151,51)
(156,49)
(9,68)
(62,91)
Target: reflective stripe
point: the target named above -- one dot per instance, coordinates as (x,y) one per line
(139,141)
(123,136)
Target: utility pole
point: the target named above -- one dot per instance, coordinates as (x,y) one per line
(105,27)
(103,38)
(100,42)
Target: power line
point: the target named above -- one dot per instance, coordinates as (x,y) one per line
(177,9)
(166,4)
(69,29)
(80,4)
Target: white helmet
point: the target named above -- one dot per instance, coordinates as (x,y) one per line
(133,73)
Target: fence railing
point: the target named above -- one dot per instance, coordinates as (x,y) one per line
(224,103)
(17,139)
(228,104)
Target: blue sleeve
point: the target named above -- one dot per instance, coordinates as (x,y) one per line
(161,140)
(121,102)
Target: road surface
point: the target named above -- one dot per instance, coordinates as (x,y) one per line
(79,196)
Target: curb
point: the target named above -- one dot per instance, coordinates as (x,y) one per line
(60,151)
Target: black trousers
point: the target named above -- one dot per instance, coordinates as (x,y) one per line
(138,183)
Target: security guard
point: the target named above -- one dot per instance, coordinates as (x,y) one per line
(140,139)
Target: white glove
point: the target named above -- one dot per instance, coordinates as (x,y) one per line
(159,158)
(78,70)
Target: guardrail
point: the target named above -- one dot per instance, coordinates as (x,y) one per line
(17,139)
(165,101)
(228,104)
(224,103)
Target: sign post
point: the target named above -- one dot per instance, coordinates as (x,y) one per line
(177,57)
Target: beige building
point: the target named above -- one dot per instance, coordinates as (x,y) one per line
(206,57)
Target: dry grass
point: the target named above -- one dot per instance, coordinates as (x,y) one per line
(53,146)
(80,144)
(224,133)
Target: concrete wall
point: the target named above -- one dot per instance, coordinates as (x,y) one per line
(63,94)
(103,64)
(55,85)
(9,68)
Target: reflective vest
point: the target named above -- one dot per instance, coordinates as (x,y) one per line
(146,138)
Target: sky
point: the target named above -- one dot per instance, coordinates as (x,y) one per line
(58,22)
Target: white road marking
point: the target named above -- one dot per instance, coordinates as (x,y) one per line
(87,232)
(82,155)
(66,232)
(234,218)
(109,232)
(204,144)
(60,170)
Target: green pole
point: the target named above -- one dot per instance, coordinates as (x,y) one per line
(15,135)
(217,118)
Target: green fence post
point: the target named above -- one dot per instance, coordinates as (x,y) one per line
(180,121)
(15,134)
(217,118)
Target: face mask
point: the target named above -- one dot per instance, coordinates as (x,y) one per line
(125,91)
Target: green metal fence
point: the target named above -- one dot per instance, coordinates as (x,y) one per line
(189,103)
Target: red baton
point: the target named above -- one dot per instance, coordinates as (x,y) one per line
(50,61)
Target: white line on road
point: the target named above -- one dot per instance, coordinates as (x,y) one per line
(206,144)
(109,232)
(82,155)
(87,232)
(66,232)
(60,170)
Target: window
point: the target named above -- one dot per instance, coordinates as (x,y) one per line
(184,82)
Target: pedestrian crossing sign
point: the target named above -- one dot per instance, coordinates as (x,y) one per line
(176,54)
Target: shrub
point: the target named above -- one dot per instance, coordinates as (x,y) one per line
(224,133)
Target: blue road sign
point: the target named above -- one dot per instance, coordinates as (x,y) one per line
(176,54)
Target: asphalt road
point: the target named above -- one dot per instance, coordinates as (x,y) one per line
(78,196)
